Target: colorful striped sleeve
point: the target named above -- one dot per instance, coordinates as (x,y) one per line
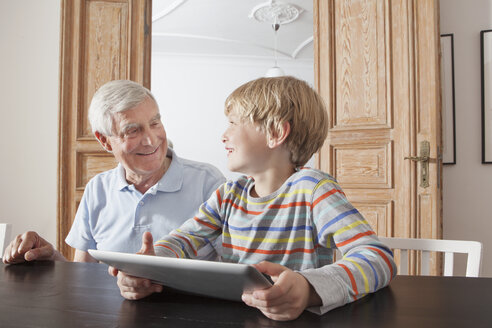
(366,264)
(195,233)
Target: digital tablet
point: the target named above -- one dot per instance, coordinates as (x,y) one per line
(206,278)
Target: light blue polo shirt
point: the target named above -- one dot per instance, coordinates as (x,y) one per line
(113,215)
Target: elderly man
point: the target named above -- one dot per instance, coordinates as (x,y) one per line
(151,189)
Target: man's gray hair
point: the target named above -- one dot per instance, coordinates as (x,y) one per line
(114,97)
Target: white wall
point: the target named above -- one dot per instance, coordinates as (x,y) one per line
(191,91)
(467,194)
(29,38)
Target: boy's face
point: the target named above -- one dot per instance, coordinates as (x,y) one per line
(246,146)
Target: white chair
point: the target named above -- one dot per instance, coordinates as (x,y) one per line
(5,230)
(448,247)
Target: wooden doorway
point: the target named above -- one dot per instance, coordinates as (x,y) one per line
(101,40)
(377,68)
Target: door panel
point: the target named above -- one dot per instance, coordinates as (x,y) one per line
(378,215)
(362,44)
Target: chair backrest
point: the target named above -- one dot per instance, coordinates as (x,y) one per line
(5,229)
(448,247)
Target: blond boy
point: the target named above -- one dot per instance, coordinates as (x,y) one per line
(281,217)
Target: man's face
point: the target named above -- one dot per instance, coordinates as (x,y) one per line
(139,141)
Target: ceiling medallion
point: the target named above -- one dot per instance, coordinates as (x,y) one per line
(275,12)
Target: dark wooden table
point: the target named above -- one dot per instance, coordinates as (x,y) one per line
(55,294)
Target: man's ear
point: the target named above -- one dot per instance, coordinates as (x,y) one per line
(104,141)
(278,137)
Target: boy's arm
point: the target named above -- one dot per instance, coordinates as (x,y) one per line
(287,298)
(195,233)
(366,264)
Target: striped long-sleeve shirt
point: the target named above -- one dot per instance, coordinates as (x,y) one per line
(298,226)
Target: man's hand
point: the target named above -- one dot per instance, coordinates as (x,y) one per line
(29,247)
(287,298)
(134,288)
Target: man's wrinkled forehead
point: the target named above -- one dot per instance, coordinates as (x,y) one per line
(134,117)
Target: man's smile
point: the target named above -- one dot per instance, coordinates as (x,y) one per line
(149,153)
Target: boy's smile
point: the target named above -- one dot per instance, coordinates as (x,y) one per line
(229,151)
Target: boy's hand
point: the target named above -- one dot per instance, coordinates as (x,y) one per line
(134,288)
(287,298)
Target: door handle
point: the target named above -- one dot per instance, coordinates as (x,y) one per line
(417,158)
(424,163)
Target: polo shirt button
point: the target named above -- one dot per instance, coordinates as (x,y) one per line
(141,203)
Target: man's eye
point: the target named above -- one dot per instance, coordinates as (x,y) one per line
(131,132)
(156,123)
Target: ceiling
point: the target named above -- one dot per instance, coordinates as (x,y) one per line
(225,28)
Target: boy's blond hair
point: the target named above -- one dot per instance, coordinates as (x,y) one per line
(269,102)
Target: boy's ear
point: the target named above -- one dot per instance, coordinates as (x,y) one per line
(278,137)
(104,141)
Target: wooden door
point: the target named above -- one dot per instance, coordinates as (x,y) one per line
(101,40)
(377,68)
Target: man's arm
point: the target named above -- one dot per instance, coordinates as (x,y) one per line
(29,247)
(82,256)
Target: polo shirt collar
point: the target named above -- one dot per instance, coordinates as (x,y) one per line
(120,178)
(171,181)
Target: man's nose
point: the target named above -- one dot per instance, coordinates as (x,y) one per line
(148,137)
